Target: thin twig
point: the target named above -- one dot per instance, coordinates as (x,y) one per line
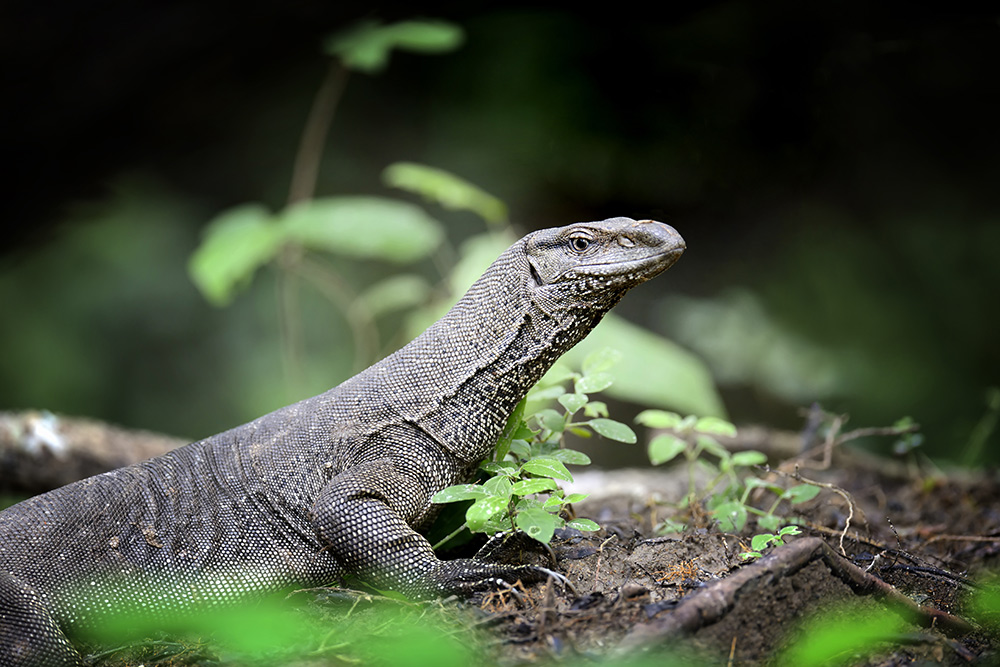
(962,538)
(797,476)
(834,438)
(600,553)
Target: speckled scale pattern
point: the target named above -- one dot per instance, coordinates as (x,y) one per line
(333,485)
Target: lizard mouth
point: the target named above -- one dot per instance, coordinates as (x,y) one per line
(640,268)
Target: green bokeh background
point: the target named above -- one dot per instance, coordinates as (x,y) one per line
(833,168)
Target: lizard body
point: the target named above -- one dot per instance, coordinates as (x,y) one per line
(333,485)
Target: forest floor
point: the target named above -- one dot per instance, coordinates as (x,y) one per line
(906,582)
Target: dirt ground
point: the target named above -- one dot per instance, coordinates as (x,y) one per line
(892,568)
(919,548)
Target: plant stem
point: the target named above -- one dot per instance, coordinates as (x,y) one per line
(447,538)
(306,168)
(305,171)
(289,318)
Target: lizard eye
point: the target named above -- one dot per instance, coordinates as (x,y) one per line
(579,243)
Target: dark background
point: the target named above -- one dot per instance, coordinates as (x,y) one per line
(833,167)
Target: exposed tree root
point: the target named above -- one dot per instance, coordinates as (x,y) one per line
(713,602)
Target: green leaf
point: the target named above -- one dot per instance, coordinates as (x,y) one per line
(515,424)
(687,424)
(367,46)
(590,384)
(480,512)
(654,371)
(553,504)
(501,522)
(551,420)
(596,409)
(800,493)
(613,430)
(526,487)
(558,374)
(499,486)
(497,467)
(525,503)
(575,498)
(544,449)
(446,189)
(236,243)
(732,516)
(363,227)
(573,402)
(708,444)
(761,542)
(658,419)
(749,458)
(601,360)
(715,426)
(789,530)
(546,394)
(395,293)
(570,457)
(453,494)
(586,525)
(520,448)
(537,524)
(548,468)
(768,522)
(664,448)
(523,432)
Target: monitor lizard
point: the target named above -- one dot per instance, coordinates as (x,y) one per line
(334,485)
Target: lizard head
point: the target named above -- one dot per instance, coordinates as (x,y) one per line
(597,262)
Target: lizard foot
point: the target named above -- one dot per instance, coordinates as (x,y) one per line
(466,576)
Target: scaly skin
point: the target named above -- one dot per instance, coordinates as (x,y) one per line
(333,485)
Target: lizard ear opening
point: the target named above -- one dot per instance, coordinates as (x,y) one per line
(534,274)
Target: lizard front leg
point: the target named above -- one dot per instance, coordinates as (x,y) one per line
(361,517)
(29,635)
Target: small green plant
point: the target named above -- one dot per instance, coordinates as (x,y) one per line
(522,490)
(767,519)
(726,494)
(764,540)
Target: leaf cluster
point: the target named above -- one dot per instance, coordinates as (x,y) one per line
(764,540)
(521,490)
(726,495)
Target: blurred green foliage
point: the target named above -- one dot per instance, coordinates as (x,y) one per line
(827,166)
(367,46)
(841,635)
(313,626)
(241,240)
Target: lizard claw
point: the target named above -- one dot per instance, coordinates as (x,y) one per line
(560,579)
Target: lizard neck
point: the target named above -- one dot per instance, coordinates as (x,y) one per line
(483,356)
